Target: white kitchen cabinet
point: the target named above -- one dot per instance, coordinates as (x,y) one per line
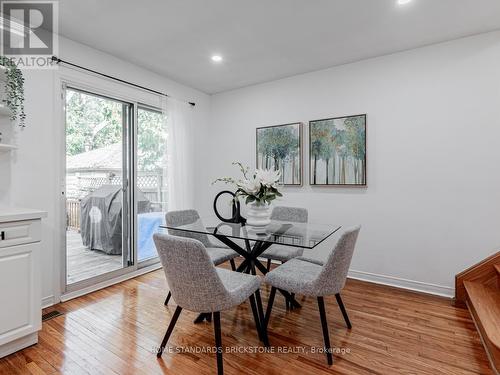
(20,289)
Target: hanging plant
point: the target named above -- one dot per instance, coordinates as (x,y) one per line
(14,89)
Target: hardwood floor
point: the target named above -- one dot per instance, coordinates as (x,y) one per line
(115,330)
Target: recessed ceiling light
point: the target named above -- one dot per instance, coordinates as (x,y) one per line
(403,2)
(217,58)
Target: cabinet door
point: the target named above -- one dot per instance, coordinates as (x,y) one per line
(20,312)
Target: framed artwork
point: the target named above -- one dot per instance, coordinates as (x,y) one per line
(337,151)
(280,148)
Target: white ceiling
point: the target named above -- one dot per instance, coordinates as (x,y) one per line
(263,40)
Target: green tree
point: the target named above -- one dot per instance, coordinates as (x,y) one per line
(91,122)
(343,154)
(293,155)
(94,122)
(152,140)
(322,146)
(278,144)
(264,148)
(355,143)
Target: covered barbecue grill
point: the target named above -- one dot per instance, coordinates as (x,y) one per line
(101,218)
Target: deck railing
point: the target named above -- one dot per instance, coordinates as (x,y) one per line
(73,214)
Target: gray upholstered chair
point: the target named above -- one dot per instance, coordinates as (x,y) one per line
(281,252)
(218,253)
(310,279)
(197,285)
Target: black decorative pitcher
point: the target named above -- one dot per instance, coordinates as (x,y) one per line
(236,212)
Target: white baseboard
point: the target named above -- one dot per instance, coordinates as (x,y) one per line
(20,343)
(48,301)
(105,284)
(397,282)
(418,286)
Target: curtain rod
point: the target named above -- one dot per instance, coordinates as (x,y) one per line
(58,60)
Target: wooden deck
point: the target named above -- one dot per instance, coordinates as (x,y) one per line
(115,331)
(83,263)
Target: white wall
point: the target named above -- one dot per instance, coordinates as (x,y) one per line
(431,207)
(34,167)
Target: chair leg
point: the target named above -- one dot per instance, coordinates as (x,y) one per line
(218,342)
(259,303)
(201,317)
(343,310)
(256,316)
(269,307)
(288,305)
(168,298)
(233,266)
(170,328)
(324,325)
(268,265)
(263,329)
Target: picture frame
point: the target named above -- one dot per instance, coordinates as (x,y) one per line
(337,151)
(281,144)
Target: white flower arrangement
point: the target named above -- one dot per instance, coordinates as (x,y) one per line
(261,187)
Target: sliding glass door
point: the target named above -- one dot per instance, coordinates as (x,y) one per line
(150,181)
(97,198)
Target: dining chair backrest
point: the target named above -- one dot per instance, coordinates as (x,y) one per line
(185,217)
(293,214)
(191,275)
(333,276)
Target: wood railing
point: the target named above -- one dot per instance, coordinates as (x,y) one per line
(73,214)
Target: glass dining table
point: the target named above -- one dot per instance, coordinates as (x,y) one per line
(250,242)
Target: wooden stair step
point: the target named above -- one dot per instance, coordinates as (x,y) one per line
(484,304)
(486,272)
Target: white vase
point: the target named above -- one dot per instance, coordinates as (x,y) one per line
(258,214)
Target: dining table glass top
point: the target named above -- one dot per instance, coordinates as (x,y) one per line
(303,235)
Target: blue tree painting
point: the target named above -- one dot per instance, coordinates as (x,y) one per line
(280,148)
(337,149)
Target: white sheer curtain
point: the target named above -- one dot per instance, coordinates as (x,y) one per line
(180,167)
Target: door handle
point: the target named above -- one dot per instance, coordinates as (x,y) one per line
(2,235)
